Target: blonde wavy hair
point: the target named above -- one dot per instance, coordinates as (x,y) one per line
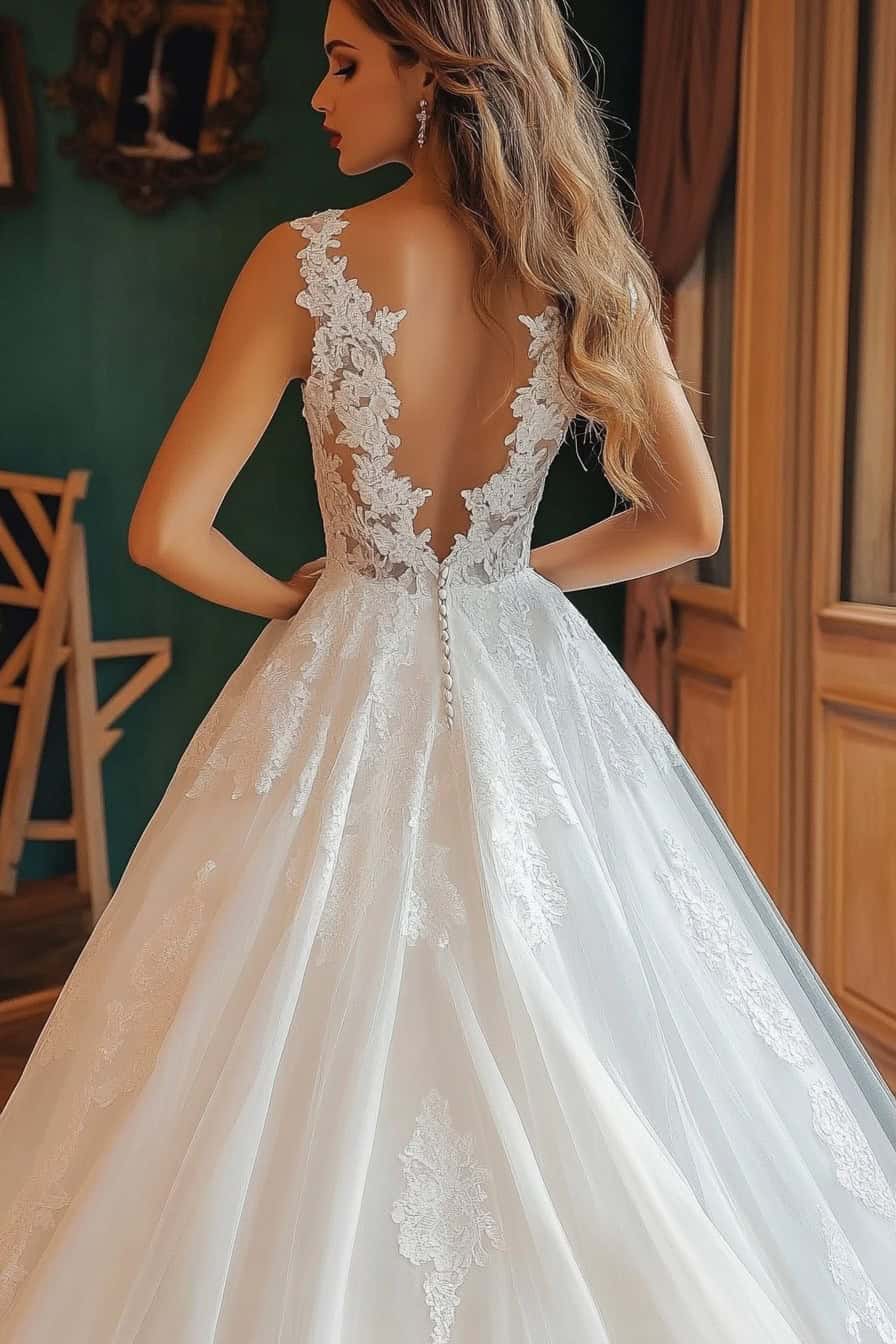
(533,179)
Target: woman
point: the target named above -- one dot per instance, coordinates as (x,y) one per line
(436,1002)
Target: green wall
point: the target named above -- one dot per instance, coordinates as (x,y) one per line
(105,319)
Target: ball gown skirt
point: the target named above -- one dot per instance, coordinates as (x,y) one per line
(413,1025)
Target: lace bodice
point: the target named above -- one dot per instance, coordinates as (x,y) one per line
(370,523)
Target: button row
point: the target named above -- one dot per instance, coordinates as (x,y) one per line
(446,642)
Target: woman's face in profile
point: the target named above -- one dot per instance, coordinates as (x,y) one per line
(366,97)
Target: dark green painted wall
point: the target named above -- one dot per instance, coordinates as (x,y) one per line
(105,319)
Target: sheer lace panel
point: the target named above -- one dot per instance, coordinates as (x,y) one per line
(369,509)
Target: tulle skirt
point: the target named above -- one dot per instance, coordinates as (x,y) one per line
(449,1030)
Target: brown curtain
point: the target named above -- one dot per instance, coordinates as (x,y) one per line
(687,120)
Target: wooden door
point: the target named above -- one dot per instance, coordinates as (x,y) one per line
(785,648)
(849,466)
(732,344)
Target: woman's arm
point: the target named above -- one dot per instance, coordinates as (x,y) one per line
(262,341)
(689,517)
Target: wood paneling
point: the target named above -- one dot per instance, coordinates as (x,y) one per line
(786,691)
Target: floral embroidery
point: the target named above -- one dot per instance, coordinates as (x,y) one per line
(750,987)
(311,762)
(252,730)
(728,952)
(370,525)
(865,1306)
(516,783)
(608,707)
(61,1029)
(124,1055)
(433,901)
(441,1215)
(857,1169)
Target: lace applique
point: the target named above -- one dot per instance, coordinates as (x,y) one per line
(865,1306)
(357,839)
(125,1056)
(857,1169)
(61,1029)
(394,647)
(370,526)
(331,842)
(752,989)
(609,707)
(502,511)
(352,850)
(516,783)
(441,1215)
(314,755)
(500,614)
(728,952)
(433,901)
(251,732)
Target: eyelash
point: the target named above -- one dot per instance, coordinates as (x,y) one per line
(346,70)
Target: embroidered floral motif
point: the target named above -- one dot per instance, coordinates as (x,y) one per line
(311,765)
(865,1306)
(608,707)
(370,524)
(252,731)
(516,783)
(857,1169)
(124,1055)
(60,1032)
(728,952)
(441,1216)
(433,902)
(750,987)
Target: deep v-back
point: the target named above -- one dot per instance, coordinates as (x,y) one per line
(369,508)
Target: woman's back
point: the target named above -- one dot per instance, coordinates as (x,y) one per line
(446,381)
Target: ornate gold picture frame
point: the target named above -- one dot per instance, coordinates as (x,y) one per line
(18,134)
(162,90)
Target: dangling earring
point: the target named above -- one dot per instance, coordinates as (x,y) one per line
(421,117)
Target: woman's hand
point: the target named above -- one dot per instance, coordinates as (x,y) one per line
(306,576)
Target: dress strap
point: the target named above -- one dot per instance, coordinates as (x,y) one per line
(317,268)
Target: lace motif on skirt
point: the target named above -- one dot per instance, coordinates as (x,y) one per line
(726,949)
(441,1216)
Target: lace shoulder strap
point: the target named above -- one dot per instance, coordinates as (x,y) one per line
(319,270)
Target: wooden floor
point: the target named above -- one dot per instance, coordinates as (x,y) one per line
(42,931)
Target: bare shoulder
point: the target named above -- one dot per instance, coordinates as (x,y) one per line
(269,262)
(264,296)
(407,245)
(404,219)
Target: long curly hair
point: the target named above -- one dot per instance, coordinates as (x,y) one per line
(533,179)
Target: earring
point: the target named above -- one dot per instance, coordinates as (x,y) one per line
(421,118)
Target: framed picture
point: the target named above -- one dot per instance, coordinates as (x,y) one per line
(18,135)
(162,90)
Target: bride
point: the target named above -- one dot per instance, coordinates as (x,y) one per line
(436,1002)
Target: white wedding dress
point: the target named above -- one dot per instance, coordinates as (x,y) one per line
(436,1003)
